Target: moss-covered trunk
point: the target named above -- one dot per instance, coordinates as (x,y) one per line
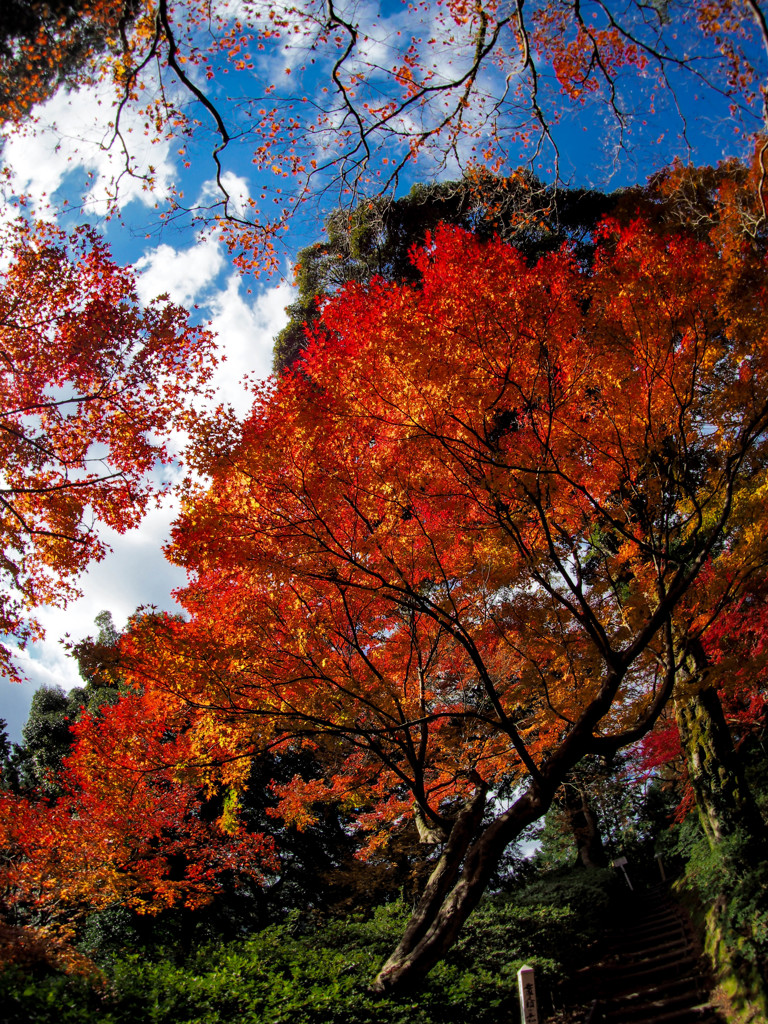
(731,887)
(723,799)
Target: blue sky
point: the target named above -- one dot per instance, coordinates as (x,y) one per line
(61,165)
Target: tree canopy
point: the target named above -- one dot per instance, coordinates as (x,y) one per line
(47,43)
(456,548)
(326,105)
(498,514)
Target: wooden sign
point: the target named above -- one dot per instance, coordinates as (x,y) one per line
(528,1006)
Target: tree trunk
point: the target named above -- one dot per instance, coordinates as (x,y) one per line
(590,852)
(429,833)
(723,799)
(442,910)
(440,913)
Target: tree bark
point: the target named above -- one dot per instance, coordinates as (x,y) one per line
(443,876)
(450,897)
(723,799)
(582,819)
(429,833)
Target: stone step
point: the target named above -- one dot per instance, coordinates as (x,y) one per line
(651,987)
(651,972)
(658,936)
(666,963)
(647,972)
(637,949)
(658,923)
(659,912)
(703,1013)
(652,1010)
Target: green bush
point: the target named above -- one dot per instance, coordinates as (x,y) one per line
(313,971)
(730,875)
(281,976)
(35,997)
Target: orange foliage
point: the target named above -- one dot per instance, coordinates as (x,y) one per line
(59,45)
(132,827)
(89,380)
(455,543)
(351,104)
(468,540)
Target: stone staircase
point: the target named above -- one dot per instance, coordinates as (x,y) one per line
(652,971)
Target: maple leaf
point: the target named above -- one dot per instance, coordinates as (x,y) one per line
(456,549)
(361,122)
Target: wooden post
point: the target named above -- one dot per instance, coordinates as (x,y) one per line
(529,1010)
(660,862)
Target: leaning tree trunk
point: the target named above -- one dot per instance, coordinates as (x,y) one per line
(450,896)
(723,799)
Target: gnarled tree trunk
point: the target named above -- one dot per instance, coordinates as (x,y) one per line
(454,891)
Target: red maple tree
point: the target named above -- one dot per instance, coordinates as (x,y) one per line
(456,547)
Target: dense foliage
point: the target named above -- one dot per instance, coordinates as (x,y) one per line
(441,578)
(311,971)
(92,385)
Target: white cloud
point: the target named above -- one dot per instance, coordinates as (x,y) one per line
(185,274)
(246,330)
(237,189)
(72,133)
(245,325)
(136,572)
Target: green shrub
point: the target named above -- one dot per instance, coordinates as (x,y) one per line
(728,874)
(313,971)
(36,997)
